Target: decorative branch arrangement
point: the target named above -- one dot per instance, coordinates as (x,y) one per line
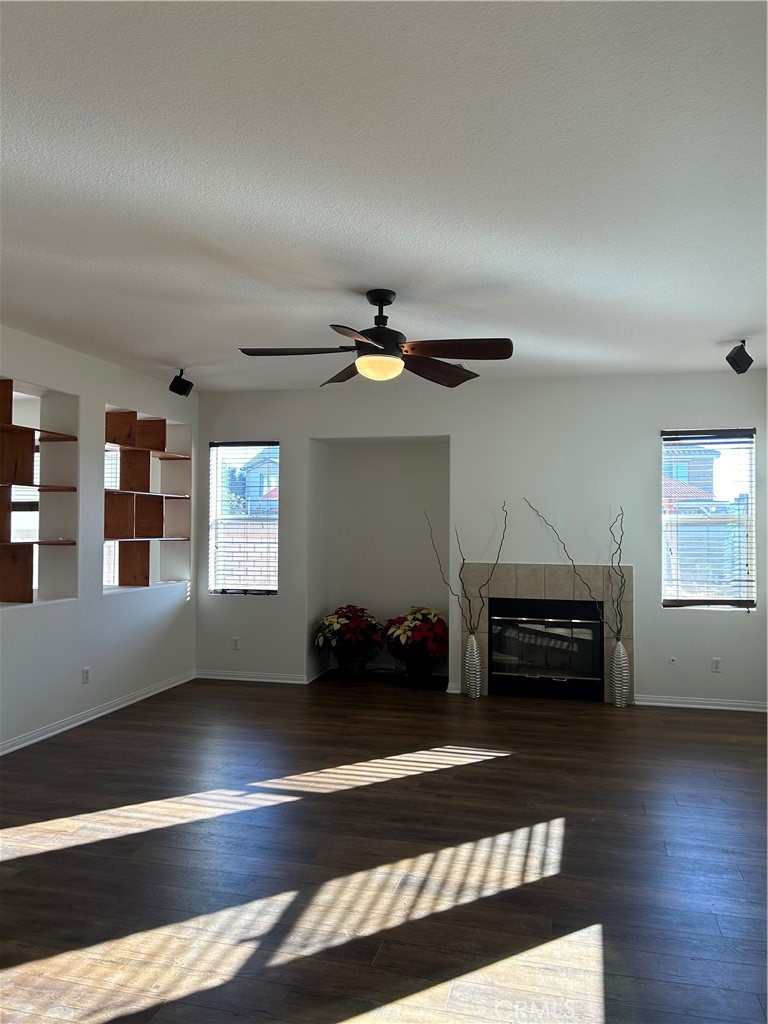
(470,620)
(617,576)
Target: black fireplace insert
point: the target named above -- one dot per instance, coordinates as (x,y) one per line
(542,648)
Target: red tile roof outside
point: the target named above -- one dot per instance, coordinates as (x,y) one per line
(681,490)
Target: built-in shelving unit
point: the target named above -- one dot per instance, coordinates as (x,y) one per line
(18,446)
(143,509)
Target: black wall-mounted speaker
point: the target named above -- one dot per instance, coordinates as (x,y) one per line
(739,359)
(180,386)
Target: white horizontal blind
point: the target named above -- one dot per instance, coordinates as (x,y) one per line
(708,518)
(111,469)
(111,483)
(243,517)
(25,514)
(25,507)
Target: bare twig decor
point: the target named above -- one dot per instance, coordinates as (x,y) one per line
(470,620)
(617,576)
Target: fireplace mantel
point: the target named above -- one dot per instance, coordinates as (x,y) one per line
(556,583)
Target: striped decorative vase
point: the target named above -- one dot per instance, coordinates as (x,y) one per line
(619,676)
(473,667)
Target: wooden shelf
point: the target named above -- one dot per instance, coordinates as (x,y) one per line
(133,515)
(16,573)
(118,515)
(149,515)
(46,488)
(154,452)
(62,542)
(129,540)
(36,433)
(133,564)
(17,454)
(124,431)
(158,494)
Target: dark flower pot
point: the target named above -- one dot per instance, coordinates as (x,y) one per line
(418,665)
(353,662)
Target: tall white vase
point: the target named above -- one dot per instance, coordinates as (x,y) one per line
(618,676)
(473,667)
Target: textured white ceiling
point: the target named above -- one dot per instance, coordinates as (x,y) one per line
(181,179)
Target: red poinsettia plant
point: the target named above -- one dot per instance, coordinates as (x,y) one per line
(421,628)
(349,630)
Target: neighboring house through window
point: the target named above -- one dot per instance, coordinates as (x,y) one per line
(243,517)
(708,518)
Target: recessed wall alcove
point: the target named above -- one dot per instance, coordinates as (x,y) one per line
(368,540)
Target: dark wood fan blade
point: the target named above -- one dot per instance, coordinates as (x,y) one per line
(447,374)
(295,351)
(461,348)
(346,374)
(349,332)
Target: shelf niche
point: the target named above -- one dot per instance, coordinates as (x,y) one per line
(49,414)
(152,501)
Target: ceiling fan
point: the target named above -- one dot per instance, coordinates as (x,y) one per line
(383,353)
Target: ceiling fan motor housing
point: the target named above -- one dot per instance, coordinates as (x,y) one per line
(389,340)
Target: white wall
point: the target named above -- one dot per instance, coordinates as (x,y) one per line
(320,533)
(134,642)
(377,550)
(577,448)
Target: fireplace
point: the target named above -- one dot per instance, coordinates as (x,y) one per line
(545,648)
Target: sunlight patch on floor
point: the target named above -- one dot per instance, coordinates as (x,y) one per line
(555,982)
(366,902)
(560,980)
(383,769)
(133,819)
(141,970)
(258,938)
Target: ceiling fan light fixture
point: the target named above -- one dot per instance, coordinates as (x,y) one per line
(379,366)
(383,354)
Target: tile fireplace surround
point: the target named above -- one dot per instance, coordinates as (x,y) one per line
(553,583)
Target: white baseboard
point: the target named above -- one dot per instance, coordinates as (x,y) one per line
(251,677)
(46,731)
(316,674)
(711,703)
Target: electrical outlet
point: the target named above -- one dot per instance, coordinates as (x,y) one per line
(717,664)
(235,643)
(85,677)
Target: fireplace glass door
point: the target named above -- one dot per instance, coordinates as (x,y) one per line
(549,654)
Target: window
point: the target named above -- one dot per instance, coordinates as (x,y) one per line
(111,482)
(243,517)
(708,518)
(25,515)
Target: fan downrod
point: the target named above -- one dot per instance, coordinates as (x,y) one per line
(380,297)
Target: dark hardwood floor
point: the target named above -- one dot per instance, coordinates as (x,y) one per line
(232,852)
